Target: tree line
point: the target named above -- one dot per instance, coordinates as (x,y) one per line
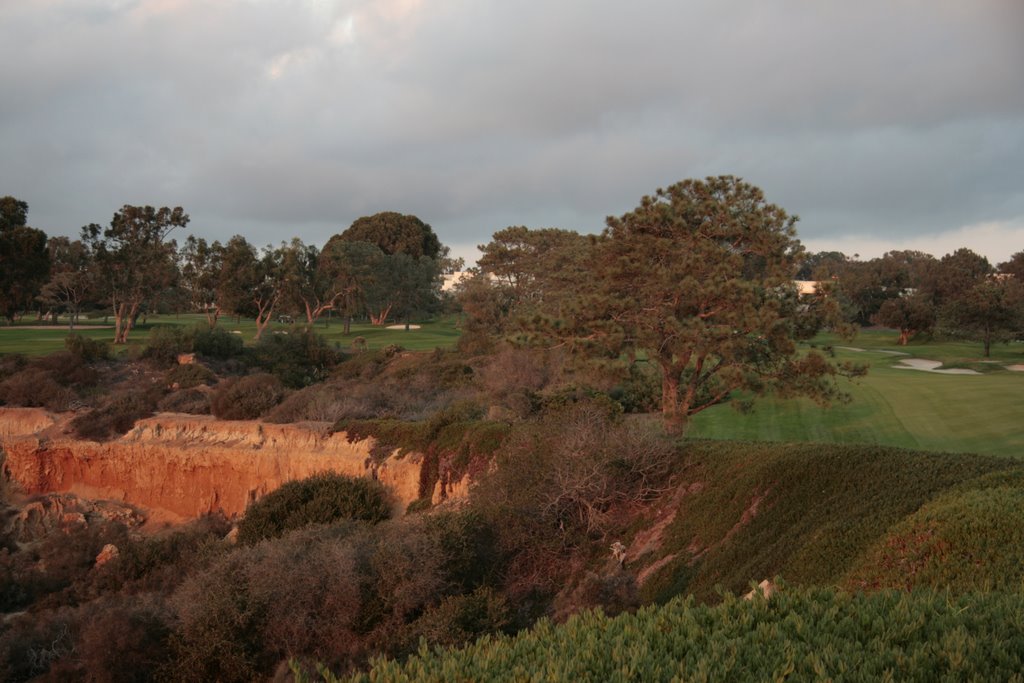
(960,295)
(384,266)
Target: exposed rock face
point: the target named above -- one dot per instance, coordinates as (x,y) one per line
(189,465)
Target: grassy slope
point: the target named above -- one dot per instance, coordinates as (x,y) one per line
(906,408)
(18,339)
(827,518)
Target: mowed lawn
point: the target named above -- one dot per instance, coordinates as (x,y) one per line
(27,339)
(981,413)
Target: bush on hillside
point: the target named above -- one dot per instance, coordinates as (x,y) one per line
(87,349)
(318,403)
(320,499)
(568,469)
(67,369)
(217,343)
(191,401)
(298,359)
(351,590)
(33,388)
(117,415)
(166,342)
(188,376)
(246,398)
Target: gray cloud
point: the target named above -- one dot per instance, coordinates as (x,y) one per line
(876,119)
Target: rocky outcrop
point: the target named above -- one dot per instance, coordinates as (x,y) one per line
(189,465)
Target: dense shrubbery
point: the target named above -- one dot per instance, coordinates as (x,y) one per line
(298,360)
(320,499)
(192,401)
(117,415)
(167,341)
(246,398)
(318,403)
(799,635)
(217,343)
(566,471)
(87,349)
(188,376)
(50,381)
(337,594)
(33,387)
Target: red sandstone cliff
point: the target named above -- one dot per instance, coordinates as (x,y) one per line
(188,465)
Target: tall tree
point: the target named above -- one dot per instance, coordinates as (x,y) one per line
(1014,267)
(72,277)
(313,284)
(200,265)
(133,258)
(349,267)
(24,260)
(910,314)
(699,278)
(992,310)
(396,233)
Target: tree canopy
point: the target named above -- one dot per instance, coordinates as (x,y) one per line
(133,259)
(24,260)
(697,279)
(396,233)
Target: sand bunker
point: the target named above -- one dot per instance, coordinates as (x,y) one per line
(402,327)
(1015,368)
(931,366)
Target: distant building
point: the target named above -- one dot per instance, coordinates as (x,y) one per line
(452,279)
(806,287)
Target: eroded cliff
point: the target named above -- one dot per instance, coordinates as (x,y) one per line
(183,466)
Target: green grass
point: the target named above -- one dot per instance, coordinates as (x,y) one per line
(33,342)
(906,408)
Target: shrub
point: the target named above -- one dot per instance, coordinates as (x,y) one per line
(188,376)
(246,398)
(33,387)
(320,499)
(217,342)
(317,403)
(800,635)
(166,342)
(298,360)
(67,369)
(303,594)
(117,415)
(565,471)
(191,401)
(87,349)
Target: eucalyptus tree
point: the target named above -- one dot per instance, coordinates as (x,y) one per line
(24,260)
(134,259)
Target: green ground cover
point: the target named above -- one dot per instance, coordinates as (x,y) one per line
(897,407)
(796,635)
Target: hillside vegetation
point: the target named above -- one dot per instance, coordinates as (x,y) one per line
(798,635)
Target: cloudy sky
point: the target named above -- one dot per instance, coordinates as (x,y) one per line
(882,123)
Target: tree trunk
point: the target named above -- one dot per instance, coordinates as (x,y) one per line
(673,418)
(904,337)
(348,325)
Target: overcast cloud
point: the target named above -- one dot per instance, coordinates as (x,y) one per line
(882,123)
